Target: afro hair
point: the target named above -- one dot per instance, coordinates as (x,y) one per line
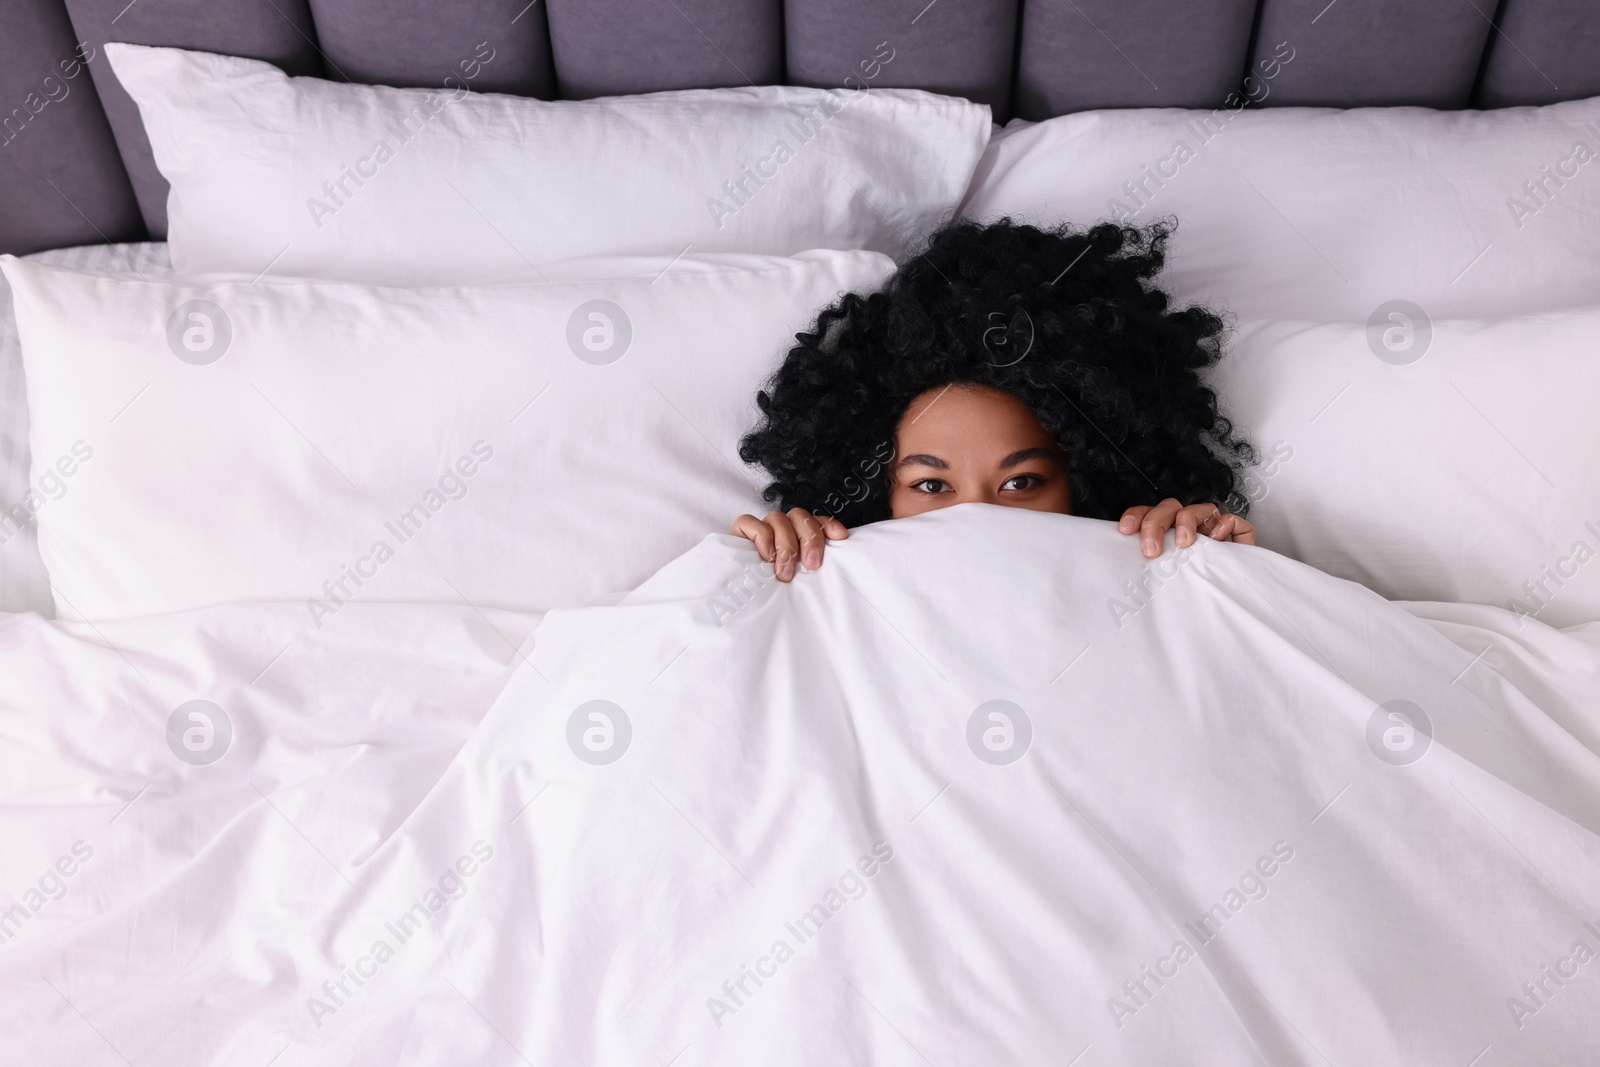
(1070,323)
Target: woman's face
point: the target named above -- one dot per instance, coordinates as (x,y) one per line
(965,444)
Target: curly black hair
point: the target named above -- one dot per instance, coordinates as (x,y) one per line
(1069,322)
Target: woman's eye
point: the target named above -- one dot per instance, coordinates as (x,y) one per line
(1023,482)
(929,485)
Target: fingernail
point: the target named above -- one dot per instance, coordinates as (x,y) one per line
(1184,536)
(813,559)
(788,570)
(1150,548)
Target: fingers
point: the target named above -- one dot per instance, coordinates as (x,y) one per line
(1155,524)
(812,536)
(1196,518)
(775,540)
(1187,523)
(786,538)
(757,531)
(785,545)
(1232,528)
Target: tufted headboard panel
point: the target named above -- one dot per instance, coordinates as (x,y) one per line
(75,167)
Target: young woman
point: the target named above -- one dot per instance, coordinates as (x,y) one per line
(1006,365)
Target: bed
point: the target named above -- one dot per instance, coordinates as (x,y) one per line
(379,685)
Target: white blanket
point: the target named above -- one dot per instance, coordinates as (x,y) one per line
(1231,811)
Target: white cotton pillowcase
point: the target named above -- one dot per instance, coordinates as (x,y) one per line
(477,433)
(24,585)
(324,179)
(1324,215)
(1468,475)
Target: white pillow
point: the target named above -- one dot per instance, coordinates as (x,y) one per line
(349,442)
(365,183)
(1324,215)
(1468,474)
(24,586)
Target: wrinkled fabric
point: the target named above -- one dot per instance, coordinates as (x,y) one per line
(988,787)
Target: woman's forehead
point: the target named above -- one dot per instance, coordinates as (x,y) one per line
(968,420)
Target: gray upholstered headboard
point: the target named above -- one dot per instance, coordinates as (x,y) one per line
(75,167)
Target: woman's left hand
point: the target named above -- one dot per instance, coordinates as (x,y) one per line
(1196,520)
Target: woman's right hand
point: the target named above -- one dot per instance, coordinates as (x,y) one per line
(782,538)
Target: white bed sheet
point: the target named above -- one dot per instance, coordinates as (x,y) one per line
(570,910)
(24,584)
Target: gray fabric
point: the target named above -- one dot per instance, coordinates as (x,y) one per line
(278,31)
(957,47)
(1545,51)
(1083,54)
(421,43)
(1370,53)
(61,179)
(612,47)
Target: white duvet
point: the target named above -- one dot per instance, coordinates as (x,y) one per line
(986,789)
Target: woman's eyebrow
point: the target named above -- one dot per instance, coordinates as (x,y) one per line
(1025,454)
(922,459)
